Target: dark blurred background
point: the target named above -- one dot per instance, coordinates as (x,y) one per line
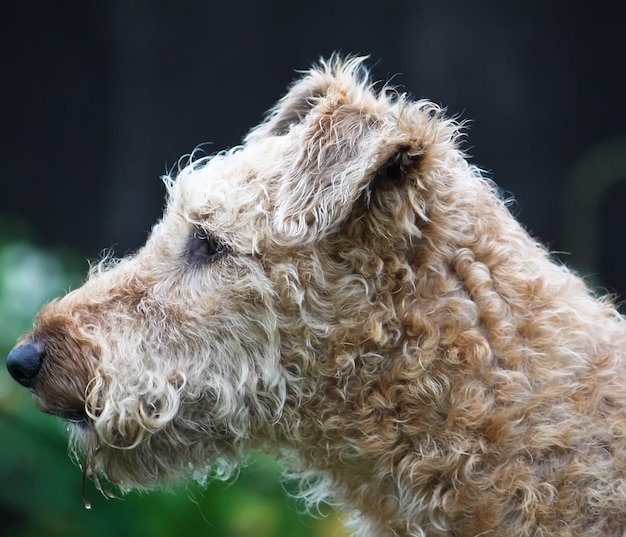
(99,99)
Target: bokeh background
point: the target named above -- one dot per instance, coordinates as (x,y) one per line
(99,99)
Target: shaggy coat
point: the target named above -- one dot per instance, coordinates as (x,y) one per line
(345,291)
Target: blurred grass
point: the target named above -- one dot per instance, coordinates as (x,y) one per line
(40,488)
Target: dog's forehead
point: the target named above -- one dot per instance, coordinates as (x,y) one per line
(230,194)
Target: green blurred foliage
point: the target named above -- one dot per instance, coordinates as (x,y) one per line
(40,487)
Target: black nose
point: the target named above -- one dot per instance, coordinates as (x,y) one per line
(24,362)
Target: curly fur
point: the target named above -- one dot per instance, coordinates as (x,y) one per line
(374,314)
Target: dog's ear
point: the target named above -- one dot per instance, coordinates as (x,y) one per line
(292,108)
(323,192)
(345,142)
(306,92)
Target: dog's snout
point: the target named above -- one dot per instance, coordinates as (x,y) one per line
(24,362)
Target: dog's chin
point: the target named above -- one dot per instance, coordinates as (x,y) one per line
(76,419)
(75,416)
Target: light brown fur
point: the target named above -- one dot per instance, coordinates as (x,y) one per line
(346,291)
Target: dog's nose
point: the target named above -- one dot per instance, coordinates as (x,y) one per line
(24,362)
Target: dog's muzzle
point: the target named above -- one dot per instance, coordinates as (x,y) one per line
(24,362)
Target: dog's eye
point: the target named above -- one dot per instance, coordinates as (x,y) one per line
(204,247)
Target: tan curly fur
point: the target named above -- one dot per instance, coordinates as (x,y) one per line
(345,291)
